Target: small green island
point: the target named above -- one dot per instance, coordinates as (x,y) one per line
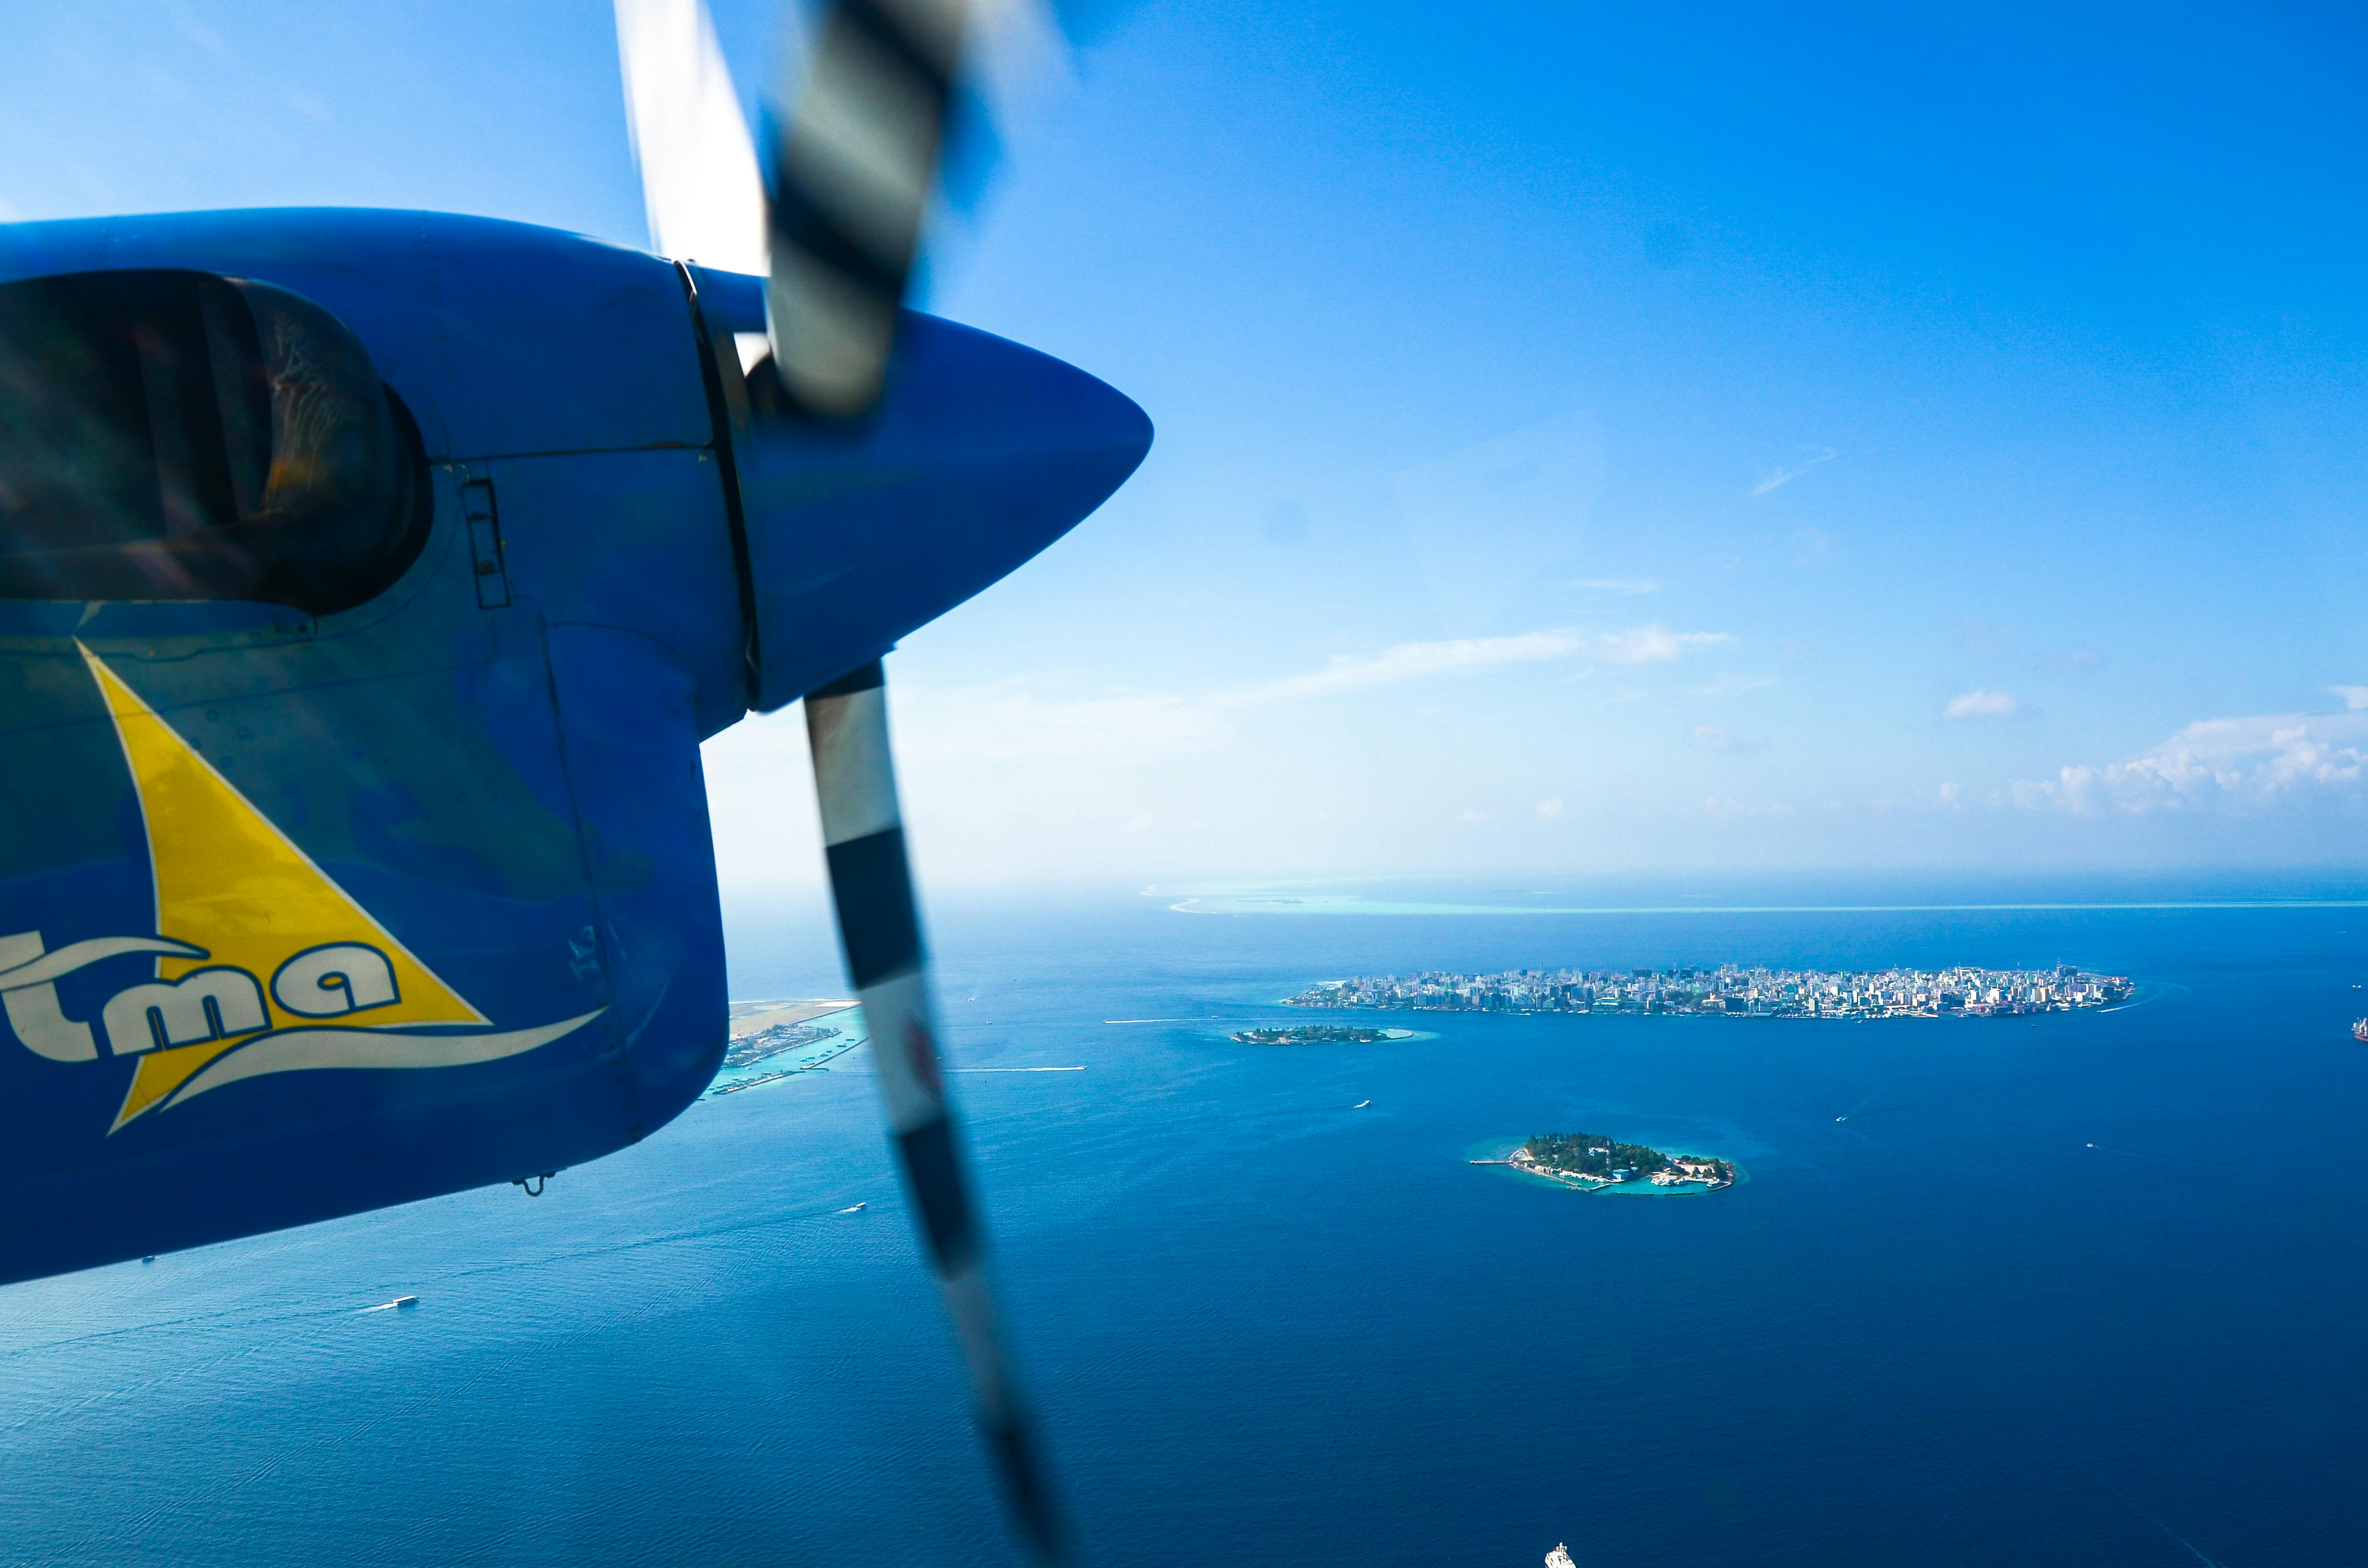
(1319,1034)
(1589,1161)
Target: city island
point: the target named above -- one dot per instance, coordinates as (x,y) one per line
(1591,1161)
(1731,991)
(1319,1034)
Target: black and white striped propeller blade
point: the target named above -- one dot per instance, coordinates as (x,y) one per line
(850,168)
(880,926)
(851,151)
(833,222)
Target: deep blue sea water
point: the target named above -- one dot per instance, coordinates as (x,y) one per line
(2080,1290)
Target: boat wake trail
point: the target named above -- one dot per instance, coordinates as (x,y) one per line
(2150,993)
(1333,1108)
(2192,1549)
(1011,1069)
(1861,1105)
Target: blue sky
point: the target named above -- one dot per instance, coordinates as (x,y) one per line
(1588,439)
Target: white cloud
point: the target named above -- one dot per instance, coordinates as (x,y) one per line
(1032,717)
(1731,683)
(1983,705)
(1549,810)
(1406,662)
(2354,697)
(1006,720)
(1654,645)
(1710,737)
(1782,477)
(1629,586)
(2251,759)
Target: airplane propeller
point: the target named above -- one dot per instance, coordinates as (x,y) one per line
(853,161)
(879,924)
(833,223)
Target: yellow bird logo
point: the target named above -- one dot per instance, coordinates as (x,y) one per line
(264,964)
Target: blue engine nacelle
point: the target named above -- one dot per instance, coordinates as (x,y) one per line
(353,845)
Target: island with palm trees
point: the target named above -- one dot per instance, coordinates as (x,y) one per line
(1592,1161)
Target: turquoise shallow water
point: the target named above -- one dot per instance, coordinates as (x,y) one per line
(2068,1290)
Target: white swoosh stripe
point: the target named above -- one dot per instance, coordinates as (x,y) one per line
(298,1050)
(80,955)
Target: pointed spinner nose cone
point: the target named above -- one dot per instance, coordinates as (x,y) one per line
(981,454)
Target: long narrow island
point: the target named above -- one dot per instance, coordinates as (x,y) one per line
(1590,1159)
(1732,991)
(1318,1034)
(746,1051)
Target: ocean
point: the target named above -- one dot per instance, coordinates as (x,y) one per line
(2079,1288)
